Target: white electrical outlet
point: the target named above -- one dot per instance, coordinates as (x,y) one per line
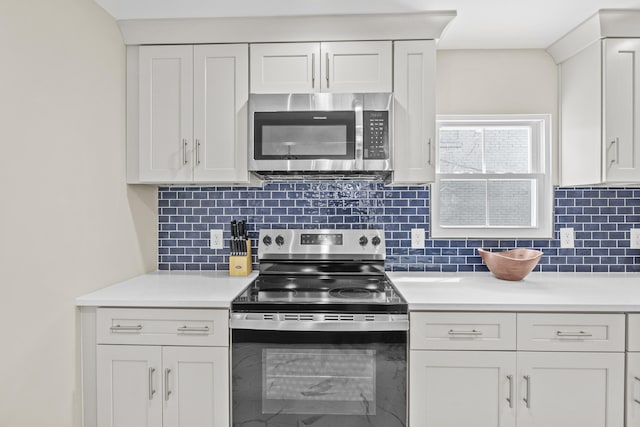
(635,238)
(566,238)
(417,238)
(215,239)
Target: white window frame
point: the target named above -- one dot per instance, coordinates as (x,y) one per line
(541,161)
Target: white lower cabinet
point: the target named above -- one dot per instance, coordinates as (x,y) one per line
(633,389)
(561,389)
(462,388)
(153,386)
(158,367)
(481,387)
(128,378)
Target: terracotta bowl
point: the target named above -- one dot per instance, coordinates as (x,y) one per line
(511,265)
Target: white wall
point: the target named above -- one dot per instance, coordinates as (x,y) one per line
(522,81)
(68,222)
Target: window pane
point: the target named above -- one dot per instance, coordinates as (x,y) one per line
(507,149)
(460,150)
(463,203)
(510,203)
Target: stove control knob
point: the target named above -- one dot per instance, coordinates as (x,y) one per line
(267,240)
(363,241)
(279,240)
(375,241)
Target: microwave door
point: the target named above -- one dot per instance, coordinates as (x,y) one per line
(305,140)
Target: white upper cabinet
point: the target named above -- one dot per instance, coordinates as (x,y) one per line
(356,67)
(166,108)
(600,100)
(621,110)
(187,114)
(600,114)
(414,66)
(221,95)
(321,67)
(285,68)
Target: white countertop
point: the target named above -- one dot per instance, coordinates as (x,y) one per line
(603,292)
(213,289)
(576,292)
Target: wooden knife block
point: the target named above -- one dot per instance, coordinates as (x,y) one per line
(241,265)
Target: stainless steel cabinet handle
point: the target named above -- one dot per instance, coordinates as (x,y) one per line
(527,398)
(167,391)
(510,398)
(125,328)
(327,69)
(184,150)
(152,390)
(193,329)
(615,142)
(573,334)
(313,70)
(634,399)
(197,151)
(473,332)
(429,148)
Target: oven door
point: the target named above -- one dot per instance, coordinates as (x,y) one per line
(319,378)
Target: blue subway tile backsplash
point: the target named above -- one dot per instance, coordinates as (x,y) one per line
(601,218)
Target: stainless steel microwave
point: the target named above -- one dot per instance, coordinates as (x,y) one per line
(320,133)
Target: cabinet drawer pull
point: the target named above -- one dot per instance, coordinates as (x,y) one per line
(186,328)
(167,391)
(573,334)
(152,390)
(634,399)
(527,398)
(473,332)
(197,151)
(125,328)
(429,149)
(510,398)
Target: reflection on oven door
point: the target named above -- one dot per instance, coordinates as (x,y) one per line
(311,381)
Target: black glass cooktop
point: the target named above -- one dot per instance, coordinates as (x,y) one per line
(318,293)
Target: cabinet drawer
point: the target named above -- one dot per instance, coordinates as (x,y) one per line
(463,331)
(633,332)
(571,332)
(157,326)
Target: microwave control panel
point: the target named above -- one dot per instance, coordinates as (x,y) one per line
(376,135)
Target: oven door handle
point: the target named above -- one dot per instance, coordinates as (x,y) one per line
(325,325)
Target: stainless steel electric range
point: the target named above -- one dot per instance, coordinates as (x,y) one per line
(320,337)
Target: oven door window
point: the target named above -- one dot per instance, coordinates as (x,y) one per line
(304,135)
(319,379)
(308,381)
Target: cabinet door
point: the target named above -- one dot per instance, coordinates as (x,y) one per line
(221,94)
(196,381)
(563,389)
(285,67)
(356,67)
(166,113)
(129,386)
(633,389)
(622,110)
(414,112)
(462,388)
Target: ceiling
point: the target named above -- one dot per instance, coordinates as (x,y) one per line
(480,24)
